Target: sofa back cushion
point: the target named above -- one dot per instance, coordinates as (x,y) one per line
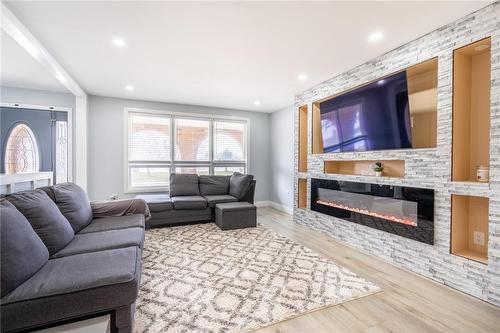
(214,185)
(73,204)
(183,184)
(45,218)
(239,184)
(23,252)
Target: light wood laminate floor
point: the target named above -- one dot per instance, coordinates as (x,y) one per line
(408,302)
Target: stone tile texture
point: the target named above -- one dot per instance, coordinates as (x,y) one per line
(428,168)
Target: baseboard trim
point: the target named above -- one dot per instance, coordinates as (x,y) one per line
(275,205)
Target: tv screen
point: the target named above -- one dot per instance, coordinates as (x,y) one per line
(372,117)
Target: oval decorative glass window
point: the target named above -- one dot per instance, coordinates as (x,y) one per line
(21,151)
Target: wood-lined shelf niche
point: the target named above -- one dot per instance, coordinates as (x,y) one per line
(469,220)
(471,109)
(317,135)
(392,168)
(303,138)
(302,193)
(422,82)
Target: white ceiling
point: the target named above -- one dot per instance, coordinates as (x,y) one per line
(224,54)
(19,69)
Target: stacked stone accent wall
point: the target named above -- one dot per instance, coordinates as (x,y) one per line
(429,168)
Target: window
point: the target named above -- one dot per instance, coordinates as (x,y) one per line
(192,170)
(226,171)
(229,141)
(61,152)
(21,152)
(149,152)
(149,176)
(161,143)
(192,140)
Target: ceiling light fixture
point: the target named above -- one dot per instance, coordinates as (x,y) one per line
(481,47)
(256,103)
(119,42)
(129,87)
(381,82)
(375,36)
(302,77)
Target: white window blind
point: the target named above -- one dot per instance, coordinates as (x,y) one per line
(192,140)
(149,137)
(229,141)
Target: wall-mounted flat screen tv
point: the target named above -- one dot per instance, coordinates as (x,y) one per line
(372,117)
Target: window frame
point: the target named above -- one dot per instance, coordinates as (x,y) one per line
(172,164)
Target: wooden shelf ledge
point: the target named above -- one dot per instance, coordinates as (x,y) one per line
(392,168)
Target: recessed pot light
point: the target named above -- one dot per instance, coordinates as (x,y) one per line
(380,82)
(119,42)
(481,47)
(129,87)
(375,36)
(302,77)
(256,103)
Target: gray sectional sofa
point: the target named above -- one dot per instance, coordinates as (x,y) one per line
(193,198)
(59,263)
(64,259)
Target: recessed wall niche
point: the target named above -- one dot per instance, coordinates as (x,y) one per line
(469,227)
(303,138)
(471,109)
(302,193)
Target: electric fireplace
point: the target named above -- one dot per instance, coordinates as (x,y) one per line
(401,210)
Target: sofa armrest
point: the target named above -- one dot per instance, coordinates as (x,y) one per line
(120,208)
(249,196)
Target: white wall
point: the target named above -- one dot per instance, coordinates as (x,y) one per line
(282,158)
(107,133)
(36,97)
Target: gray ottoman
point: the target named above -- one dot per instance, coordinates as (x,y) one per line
(235,215)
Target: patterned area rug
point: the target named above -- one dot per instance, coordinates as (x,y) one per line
(198,278)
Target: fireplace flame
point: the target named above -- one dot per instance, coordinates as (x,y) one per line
(393,218)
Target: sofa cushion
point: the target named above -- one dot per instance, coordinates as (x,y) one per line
(73,204)
(180,216)
(114,223)
(104,240)
(45,218)
(23,252)
(183,184)
(74,286)
(239,184)
(212,200)
(189,202)
(214,185)
(157,202)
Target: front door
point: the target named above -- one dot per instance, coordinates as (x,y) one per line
(34,141)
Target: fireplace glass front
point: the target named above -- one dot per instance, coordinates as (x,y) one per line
(401,210)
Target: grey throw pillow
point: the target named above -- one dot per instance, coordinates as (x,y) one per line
(73,204)
(214,185)
(183,184)
(45,218)
(23,252)
(239,184)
